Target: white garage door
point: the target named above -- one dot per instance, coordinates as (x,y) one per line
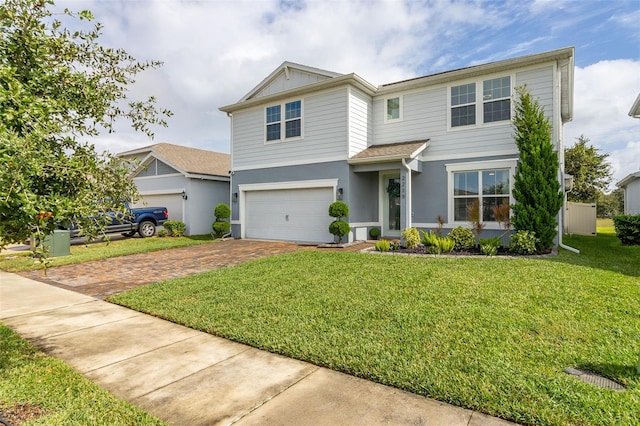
(173,203)
(289,214)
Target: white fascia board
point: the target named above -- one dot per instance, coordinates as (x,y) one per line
(478,70)
(298,184)
(628,179)
(208,177)
(389,158)
(285,67)
(289,163)
(343,80)
(635,109)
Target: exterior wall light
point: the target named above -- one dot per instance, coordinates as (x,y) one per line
(234,197)
(339,194)
(184,195)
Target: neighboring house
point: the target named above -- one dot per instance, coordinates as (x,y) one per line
(400,155)
(631,187)
(190,182)
(631,183)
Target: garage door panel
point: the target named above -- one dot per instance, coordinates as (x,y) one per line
(289,214)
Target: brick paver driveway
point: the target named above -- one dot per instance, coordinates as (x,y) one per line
(103,278)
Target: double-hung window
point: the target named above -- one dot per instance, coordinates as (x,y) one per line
(488,188)
(495,105)
(290,125)
(496,99)
(463,105)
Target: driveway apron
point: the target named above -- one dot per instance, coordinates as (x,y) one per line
(102,278)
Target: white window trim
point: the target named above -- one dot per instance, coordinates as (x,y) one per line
(476,166)
(479,103)
(283,128)
(401,108)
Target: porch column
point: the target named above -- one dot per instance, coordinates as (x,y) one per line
(405,196)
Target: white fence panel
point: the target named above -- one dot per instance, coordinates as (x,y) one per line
(580,218)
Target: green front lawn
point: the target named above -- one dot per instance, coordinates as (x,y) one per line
(489,334)
(49,392)
(16,262)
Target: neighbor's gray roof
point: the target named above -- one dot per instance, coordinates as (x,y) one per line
(628,179)
(186,159)
(390,152)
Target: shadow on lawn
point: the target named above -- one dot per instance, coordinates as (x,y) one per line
(603,251)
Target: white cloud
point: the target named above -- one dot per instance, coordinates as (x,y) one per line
(214,52)
(604,93)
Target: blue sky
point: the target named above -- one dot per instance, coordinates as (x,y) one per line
(216,51)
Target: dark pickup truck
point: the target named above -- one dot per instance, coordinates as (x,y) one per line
(142,220)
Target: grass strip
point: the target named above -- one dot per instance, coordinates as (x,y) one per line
(101,250)
(57,394)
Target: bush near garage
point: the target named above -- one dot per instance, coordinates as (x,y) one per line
(175,228)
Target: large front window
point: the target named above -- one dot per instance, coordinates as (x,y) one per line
(488,188)
(290,127)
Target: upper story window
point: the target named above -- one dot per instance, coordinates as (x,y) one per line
(496,97)
(463,105)
(495,105)
(393,109)
(290,127)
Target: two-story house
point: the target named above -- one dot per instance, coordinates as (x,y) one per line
(404,154)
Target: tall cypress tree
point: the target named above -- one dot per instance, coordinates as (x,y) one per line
(536,187)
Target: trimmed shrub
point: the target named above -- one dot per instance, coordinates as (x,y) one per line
(523,242)
(220,228)
(411,237)
(463,238)
(338,209)
(174,228)
(489,246)
(339,228)
(627,229)
(221,225)
(374,233)
(383,245)
(222,211)
(163,233)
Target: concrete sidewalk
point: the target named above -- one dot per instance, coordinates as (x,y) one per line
(186,377)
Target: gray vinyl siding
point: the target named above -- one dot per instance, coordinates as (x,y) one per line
(539,82)
(170,184)
(425,117)
(360,189)
(359,121)
(296,79)
(156,168)
(324,130)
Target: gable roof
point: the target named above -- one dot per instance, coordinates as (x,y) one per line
(635,109)
(191,162)
(389,152)
(563,57)
(285,71)
(628,179)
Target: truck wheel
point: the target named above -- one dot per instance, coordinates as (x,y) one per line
(146,229)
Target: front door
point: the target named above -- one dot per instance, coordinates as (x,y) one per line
(391,205)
